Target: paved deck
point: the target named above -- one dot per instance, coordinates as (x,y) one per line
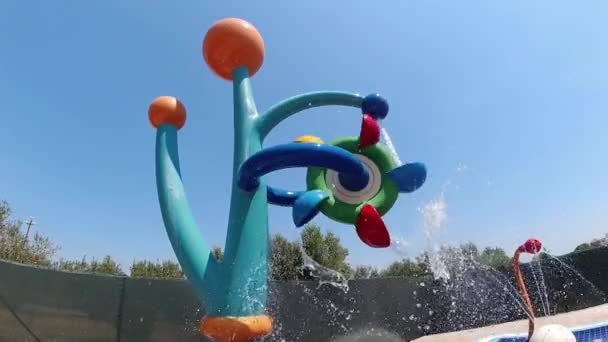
(588,316)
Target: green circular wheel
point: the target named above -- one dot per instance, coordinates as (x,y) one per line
(344,205)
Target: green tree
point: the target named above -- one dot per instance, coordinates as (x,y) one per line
(106,266)
(469,250)
(326,250)
(403,268)
(423,262)
(218,253)
(81,266)
(148,269)
(347,271)
(365,272)
(285,258)
(583,247)
(454,259)
(36,250)
(494,257)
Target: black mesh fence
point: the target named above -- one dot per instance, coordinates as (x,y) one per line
(44,305)
(160,310)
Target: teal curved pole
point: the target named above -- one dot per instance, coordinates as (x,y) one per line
(246,249)
(286,108)
(187,241)
(238,285)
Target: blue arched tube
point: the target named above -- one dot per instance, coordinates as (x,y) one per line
(300,155)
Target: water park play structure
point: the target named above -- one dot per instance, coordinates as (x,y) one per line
(353,180)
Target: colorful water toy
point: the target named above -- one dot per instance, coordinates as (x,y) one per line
(352,180)
(546,333)
(531,246)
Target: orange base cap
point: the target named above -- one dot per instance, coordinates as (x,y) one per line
(236,329)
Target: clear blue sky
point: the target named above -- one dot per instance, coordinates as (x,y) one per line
(516,91)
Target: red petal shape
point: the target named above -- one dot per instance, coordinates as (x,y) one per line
(370,132)
(371,228)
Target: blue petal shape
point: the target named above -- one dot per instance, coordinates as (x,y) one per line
(307,206)
(408,177)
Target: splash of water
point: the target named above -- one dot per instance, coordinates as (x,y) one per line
(506,286)
(471,289)
(577,273)
(324,275)
(434,215)
(540,285)
(476,294)
(399,246)
(389,143)
(335,313)
(251,287)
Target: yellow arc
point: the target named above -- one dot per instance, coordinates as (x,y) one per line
(309,139)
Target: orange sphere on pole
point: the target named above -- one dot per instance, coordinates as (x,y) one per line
(231,43)
(167,110)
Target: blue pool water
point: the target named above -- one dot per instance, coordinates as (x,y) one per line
(597,333)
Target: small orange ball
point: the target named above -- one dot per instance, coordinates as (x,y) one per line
(231,43)
(167,110)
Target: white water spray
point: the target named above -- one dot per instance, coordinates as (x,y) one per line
(541,286)
(434,215)
(324,275)
(594,288)
(400,246)
(389,143)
